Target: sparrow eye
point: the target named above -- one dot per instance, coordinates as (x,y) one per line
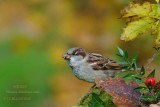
(76,53)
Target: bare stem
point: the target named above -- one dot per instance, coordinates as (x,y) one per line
(150,60)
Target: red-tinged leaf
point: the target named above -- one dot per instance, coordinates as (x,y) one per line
(123,94)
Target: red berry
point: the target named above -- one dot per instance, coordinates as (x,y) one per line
(151,81)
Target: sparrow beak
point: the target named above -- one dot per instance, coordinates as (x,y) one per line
(66,56)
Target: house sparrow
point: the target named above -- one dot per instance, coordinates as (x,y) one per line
(89,66)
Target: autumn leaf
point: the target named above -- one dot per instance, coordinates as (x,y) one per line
(157,1)
(135,9)
(141,18)
(136,28)
(157,41)
(155,11)
(123,94)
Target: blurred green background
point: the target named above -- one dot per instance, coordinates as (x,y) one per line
(35,33)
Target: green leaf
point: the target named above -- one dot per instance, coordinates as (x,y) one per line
(127,67)
(126,54)
(129,76)
(152,74)
(137,27)
(133,63)
(142,72)
(149,85)
(137,79)
(120,52)
(135,66)
(141,88)
(134,59)
(122,63)
(96,101)
(147,98)
(157,93)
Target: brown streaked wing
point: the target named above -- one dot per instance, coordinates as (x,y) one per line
(99,62)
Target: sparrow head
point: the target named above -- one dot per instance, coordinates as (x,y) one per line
(75,54)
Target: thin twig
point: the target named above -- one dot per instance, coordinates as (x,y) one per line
(150,60)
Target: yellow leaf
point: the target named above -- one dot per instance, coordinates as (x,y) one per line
(157,41)
(157,1)
(155,11)
(135,9)
(140,19)
(136,27)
